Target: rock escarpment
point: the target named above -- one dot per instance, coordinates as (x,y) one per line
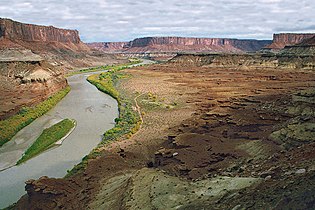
(27,32)
(182,44)
(26,79)
(61,47)
(306,47)
(287,39)
(245,61)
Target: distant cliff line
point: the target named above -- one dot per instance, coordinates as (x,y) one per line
(182,44)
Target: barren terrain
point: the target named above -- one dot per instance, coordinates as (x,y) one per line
(212,138)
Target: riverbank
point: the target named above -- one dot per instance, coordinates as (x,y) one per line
(205,141)
(9,127)
(48,138)
(105,68)
(94,112)
(128,121)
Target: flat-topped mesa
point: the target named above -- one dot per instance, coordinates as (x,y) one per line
(200,43)
(287,39)
(109,46)
(181,44)
(306,47)
(13,30)
(307,42)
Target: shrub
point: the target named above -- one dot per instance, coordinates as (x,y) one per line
(9,127)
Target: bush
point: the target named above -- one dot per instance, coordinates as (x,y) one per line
(47,139)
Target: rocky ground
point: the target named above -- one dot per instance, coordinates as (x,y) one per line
(212,138)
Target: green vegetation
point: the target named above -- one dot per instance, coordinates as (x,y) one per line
(48,138)
(151,101)
(106,67)
(9,127)
(128,121)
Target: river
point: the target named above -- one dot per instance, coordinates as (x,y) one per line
(94,113)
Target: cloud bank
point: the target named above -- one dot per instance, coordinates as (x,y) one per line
(124,20)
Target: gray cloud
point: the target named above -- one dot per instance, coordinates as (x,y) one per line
(122,20)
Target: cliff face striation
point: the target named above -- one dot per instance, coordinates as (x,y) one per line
(306,47)
(247,61)
(60,47)
(287,39)
(27,32)
(33,60)
(181,44)
(25,80)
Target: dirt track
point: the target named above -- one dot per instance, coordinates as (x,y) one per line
(203,129)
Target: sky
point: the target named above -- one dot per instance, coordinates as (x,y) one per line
(124,20)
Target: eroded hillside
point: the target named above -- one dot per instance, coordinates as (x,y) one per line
(213,137)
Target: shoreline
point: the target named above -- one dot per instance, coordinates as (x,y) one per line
(205,136)
(32,114)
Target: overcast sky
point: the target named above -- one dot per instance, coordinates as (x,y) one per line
(124,20)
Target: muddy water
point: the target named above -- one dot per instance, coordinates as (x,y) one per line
(94,112)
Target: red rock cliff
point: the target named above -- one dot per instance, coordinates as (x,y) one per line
(287,39)
(182,44)
(13,30)
(109,46)
(60,47)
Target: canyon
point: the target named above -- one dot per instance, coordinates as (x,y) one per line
(226,136)
(167,47)
(225,123)
(34,60)
(60,47)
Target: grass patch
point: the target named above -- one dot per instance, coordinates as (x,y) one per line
(128,121)
(48,138)
(104,68)
(9,127)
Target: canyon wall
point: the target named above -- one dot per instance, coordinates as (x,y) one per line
(34,59)
(287,39)
(26,83)
(60,47)
(109,46)
(306,47)
(27,32)
(246,61)
(181,44)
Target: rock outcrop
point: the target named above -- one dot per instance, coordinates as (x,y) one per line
(181,44)
(109,46)
(26,82)
(286,39)
(61,47)
(247,61)
(27,32)
(306,47)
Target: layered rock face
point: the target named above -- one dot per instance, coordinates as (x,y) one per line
(60,47)
(109,46)
(182,44)
(27,82)
(287,39)
(247,61)
(306,47)
(27,32)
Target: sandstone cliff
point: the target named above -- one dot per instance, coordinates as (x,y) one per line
(306,47)
(286,39)
(247,61)
(61,47)
(33,60)
(182,44)
(27,32)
